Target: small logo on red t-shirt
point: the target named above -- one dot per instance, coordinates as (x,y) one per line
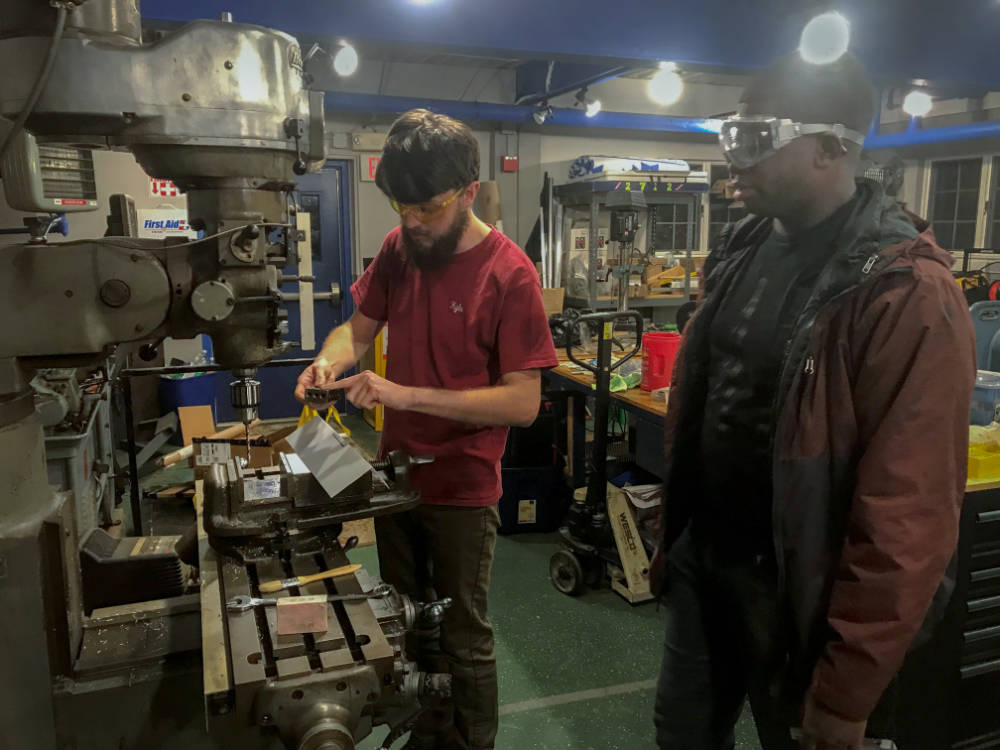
(456,308)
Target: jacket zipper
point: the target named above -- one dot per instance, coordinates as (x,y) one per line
(808,368)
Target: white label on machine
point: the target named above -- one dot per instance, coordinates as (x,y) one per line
(526,511)
(261,489)
(213,453)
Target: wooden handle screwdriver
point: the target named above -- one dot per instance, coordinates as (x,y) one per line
(271,587)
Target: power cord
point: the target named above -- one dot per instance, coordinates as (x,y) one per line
(62,10)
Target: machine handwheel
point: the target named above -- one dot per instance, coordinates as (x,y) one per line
(566,573)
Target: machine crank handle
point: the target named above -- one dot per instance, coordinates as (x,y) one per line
(432,613)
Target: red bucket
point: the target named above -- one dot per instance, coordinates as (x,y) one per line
(660,351)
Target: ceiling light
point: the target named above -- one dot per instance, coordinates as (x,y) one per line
(917,103)
(666,86)
(825,39)
(541,114)
(345,62)
(591,106)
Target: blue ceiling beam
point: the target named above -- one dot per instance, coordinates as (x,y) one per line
(946,42)
(343,102)
(513,113)
(915,135)
(534,84)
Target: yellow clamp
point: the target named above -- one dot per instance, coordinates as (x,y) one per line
(309,413)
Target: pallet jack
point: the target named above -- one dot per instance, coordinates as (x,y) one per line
(600,535)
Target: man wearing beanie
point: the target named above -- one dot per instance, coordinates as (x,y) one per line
(816,437)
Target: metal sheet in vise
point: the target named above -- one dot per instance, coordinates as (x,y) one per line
(334,462)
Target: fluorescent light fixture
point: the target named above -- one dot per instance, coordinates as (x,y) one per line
(666,86)
(345,62)
(593,107)
(917,103)
(825,39)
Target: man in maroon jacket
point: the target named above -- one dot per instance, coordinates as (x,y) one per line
(468,338)
(817,436)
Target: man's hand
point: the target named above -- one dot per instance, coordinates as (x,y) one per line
(809,742)
(320,374)
(823,730)
(366,390)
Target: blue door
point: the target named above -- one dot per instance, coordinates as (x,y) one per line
(325,196)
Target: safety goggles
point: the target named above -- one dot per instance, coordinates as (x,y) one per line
(424,212)
(747,141)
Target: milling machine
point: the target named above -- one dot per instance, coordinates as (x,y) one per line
(221,109)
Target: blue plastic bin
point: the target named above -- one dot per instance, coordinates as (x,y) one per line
(196,390)
(985,398)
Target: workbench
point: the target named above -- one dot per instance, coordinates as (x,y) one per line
(646,416)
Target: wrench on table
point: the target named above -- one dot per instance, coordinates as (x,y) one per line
(244,602)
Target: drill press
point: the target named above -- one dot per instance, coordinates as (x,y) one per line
(244,396)
(222,110)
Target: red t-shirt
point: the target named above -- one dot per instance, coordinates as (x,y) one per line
(460,327)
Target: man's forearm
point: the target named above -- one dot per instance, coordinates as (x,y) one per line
(343,348)
(507,405)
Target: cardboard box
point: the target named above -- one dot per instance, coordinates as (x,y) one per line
(637,291)
(552,300)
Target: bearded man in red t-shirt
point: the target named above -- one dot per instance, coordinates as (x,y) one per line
(469,338)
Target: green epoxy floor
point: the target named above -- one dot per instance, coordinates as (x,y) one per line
(549,647)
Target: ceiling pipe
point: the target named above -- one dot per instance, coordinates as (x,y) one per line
(512,113)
